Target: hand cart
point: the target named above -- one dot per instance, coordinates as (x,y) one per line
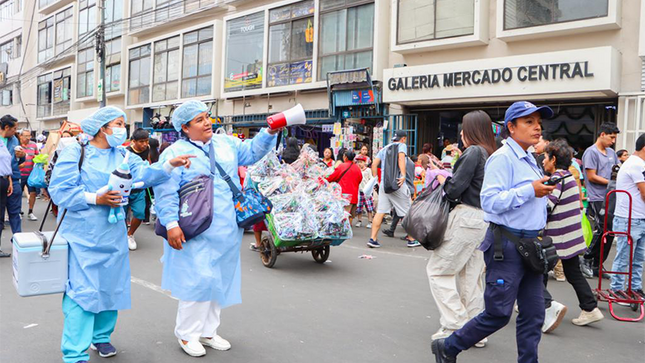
(622,296)
(273,245)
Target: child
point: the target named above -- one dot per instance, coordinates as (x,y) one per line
(364,202)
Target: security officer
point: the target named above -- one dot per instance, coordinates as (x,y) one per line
(512,197)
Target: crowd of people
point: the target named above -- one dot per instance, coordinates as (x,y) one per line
(521,185)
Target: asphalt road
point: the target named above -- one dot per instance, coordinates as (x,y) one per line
(346,310)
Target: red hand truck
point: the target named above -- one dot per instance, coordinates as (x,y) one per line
(622,296)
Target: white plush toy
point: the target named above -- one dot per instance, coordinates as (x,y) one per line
(121,181)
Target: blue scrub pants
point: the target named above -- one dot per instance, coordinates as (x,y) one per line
(14,205)
(506,281)
(83,328)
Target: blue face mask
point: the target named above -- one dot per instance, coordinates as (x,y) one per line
(119,134)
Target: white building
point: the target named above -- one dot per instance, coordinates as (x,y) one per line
(432,60)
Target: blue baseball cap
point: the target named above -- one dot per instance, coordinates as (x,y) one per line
(524,108)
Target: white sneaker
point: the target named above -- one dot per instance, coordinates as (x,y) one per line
(588,317)
(193,349)
(359,224)
(553,317)
(216,342)
(442,333)
(132,243)
(481,343)
(369,226)
(32,217)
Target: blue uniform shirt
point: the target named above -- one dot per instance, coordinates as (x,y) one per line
(507,196)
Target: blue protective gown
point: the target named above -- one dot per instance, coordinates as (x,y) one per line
(99,264)
(208,266)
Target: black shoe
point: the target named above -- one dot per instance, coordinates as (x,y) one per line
(439,352)
(4,254)
(604,275)
(388,233)
(640,293)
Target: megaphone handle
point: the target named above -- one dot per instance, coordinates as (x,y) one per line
(278,140)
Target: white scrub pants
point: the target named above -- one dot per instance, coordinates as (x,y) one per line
(197,319)
(455,269)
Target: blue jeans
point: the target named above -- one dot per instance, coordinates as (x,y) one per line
(14,205)
(621,261)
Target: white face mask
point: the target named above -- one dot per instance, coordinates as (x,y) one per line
(118,137)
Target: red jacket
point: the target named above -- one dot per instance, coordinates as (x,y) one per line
(350,181)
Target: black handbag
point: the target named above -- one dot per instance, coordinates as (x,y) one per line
(538,254)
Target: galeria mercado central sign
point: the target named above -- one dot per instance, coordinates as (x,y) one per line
(491,76)
(577,73)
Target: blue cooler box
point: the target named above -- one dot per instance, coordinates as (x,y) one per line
(34,274)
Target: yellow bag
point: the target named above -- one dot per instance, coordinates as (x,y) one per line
(587,231)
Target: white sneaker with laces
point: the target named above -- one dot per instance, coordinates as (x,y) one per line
(588,317)
(369,226)
(216,342)
(132,243)
(359,224)
(553,317)
(32,217)
(193,349)
(481,343)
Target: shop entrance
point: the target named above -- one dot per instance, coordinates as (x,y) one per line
(574,121)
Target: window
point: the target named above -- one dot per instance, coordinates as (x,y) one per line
(165,76)
(64,30)
(54,93)
(434,19)
(86,16)
(113,13)
(45,39)
(8,8)
(5,51)
(192,5)
(244,47)
(139,76)
(291,44)
(55,34)
(346,36)
(167,9)
(85,72)
(44,101)
(61,91)
(6,96)
(18,48)
(528,13)
(197,63)
(44,3)
(141,13)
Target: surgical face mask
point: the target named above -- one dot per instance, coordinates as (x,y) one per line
(119,134)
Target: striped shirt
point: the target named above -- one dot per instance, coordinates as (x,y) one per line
(564,223)
(31,150)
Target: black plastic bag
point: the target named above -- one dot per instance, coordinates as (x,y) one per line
(391,172)
(428,218)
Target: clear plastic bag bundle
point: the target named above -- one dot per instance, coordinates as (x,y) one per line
(294,226)
(267,166)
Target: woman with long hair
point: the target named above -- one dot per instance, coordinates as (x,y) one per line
(328,157)
(455,269)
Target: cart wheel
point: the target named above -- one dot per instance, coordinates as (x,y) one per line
(634,306)
(268,252)
(321,254)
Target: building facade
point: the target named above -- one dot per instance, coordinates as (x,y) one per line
(430,61)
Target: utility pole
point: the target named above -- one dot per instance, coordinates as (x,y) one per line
(100,53)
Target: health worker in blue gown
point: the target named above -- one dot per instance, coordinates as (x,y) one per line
(204,272)
(99,267)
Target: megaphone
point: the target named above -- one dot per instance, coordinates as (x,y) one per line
(290,117)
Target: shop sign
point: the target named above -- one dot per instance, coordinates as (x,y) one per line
(584,70)
(359,97)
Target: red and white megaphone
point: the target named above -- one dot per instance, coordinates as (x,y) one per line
(290,117)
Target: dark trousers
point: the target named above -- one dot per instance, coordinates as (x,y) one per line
(596,213)
(14,205)
(586,299)
(148,204)
(4,188)
(395,221)
(506,281)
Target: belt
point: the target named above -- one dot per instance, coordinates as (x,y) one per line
(522,233)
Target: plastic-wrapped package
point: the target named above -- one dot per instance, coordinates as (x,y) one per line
(329,226)
(294,226)
(267,166)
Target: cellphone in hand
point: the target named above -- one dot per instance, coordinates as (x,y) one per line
(554,180)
